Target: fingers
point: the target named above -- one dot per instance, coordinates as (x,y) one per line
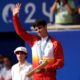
(18,5)
(16,9)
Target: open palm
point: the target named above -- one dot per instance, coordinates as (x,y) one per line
(16,9)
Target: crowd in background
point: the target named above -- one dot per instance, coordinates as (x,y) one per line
(66,13)
(5,68)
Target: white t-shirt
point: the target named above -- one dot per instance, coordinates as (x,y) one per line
(6,74)
(19,72)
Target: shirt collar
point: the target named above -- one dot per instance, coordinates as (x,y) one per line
(22,64)
(45,38)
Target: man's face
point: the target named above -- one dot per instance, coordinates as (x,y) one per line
(6,62)
(41,30)
(21,56)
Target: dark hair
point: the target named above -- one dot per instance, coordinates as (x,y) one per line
(39,22)
(58,1)
(8,57)
(66,1)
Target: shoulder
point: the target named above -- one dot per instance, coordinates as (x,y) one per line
(14,66)
(3,71)
(55,42)
(29,65)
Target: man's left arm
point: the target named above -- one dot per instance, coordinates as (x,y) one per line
(59,57)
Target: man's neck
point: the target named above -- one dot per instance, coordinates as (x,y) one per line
(21,63)
(8,67)
(46,35)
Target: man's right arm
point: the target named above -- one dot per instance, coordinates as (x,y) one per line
(18,28)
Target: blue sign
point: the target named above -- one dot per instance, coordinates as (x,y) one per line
(31,10)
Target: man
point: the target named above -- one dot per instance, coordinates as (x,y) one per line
(1,62)
(44,48)
(6,70)
(20,70)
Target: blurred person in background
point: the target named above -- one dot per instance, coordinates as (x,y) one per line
(63,10)
(1,62)
(6,71)
(20,69)
(76,16)
(79,9)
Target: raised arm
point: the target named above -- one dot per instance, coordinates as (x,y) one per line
(67,6)
(16,9)
(54,7)
(18,28)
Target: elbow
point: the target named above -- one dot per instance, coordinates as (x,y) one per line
(61,64)
(18,33)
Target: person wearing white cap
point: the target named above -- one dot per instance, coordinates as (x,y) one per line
(20,69)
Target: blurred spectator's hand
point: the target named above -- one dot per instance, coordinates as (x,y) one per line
(64,2)
(79,10)
(56,0)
